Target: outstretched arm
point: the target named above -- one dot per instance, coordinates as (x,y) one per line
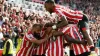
(63,22)
(68,38)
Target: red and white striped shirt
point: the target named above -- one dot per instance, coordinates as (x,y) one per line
(71,15)
(72,31)
(55,48)
(26,46)
(41,48)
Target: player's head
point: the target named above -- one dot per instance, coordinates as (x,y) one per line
(36,28)
(49,5)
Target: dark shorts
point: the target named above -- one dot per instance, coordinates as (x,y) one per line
(83,54)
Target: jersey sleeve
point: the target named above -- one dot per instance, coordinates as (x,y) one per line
(60,14)
(66,30)
(29,37)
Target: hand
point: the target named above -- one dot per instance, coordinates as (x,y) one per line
(50,35)
(48,30)
(54,33)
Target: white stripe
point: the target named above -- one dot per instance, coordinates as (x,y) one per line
(47,51)
(83,48)
(29,50)
(74,38)
(31,35)
(42,49)
(80,39)
(28,36)
(27,43)
(68,12)
(73,48)
(60,11)
(78,49)
(77,33)
(37,50)
(23,51)
(62,14)
(55,48)
(32,51)
(50,48)
(66,28)
(59,46)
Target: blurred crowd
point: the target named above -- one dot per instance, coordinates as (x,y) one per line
(16,20)
(92,9)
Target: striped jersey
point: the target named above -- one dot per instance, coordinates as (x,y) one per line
(41,48)
(72,31)
(26,48)
(70,15)
(55,47)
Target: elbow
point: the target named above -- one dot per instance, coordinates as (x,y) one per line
(65,22)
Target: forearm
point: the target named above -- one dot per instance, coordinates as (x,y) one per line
(62,24)
(88,38)
(38,42)
(57,33)
(71,40)
(49,24)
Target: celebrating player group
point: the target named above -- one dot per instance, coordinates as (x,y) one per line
(49,39)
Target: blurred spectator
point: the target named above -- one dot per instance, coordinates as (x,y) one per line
(1,38)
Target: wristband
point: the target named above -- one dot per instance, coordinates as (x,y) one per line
(54,27)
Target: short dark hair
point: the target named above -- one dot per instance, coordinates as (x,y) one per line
(35,25)
(49,1)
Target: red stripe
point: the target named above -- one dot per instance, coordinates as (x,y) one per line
(27,48)
(84,29)
(40,50)
(74,18)
(81,49)
(75,49)
(30,52)
(61,44)
(70,15)
(35,51)
(22,48)
(76,36)
(48,47)
(52,51)
(74,45)
(86,48)
(26,38)
(57,48)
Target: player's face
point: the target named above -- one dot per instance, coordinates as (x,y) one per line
(47,7)
(37,29)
